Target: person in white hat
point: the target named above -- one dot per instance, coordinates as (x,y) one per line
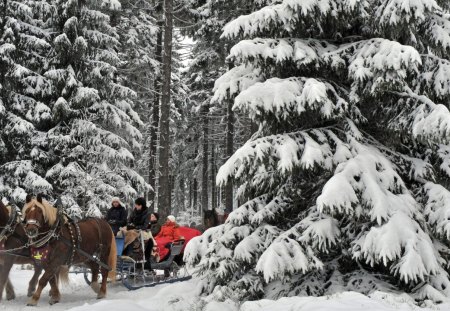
(170,229)
(117,215)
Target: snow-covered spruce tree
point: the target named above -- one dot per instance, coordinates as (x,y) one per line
(95,128)
(345,181)
(24,115)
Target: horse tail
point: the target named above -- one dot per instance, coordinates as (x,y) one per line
(63,275)
(112,258)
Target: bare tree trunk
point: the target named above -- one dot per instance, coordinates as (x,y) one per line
(205,159)
(171,186)
(182,200)
(195,190)
(213,178)
(154,123)
(253,128)
(229,153)
(164,151)
(191,206)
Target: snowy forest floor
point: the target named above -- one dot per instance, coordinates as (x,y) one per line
(77,296)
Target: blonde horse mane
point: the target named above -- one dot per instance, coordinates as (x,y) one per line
(49,212)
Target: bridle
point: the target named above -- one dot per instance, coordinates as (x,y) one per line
(10,226)
(47,235)
(8,230)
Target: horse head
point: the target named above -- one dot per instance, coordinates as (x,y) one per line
(210,218)
(4,214)
(38,215)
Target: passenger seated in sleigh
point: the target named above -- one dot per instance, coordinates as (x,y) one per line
(143,226)
(140,222)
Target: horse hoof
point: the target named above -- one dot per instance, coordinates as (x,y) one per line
(10,297)
(101,295)
(30,292)
(32,303)
(95,287)
(53,301)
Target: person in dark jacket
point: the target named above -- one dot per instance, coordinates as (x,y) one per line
(117,215)
(154,225)
(154,228)
(140,217)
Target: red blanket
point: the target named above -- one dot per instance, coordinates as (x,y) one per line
(186,232)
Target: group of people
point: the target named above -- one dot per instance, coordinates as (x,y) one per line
(147,223)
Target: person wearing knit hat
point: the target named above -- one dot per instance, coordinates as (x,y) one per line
(154,225)
(116,215)
(140,217)
(170,229)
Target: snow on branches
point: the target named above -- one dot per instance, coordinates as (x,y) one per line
(64,110)
(284,97)
(351,100)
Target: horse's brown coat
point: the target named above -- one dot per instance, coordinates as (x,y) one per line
(96,239)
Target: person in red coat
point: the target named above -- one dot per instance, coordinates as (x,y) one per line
(170,229)
(170,232)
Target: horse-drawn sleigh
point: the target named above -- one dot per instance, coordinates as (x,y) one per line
(52,242)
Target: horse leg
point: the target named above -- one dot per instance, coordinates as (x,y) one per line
(4,279)
(10,294)
(94,282)
(55,295)
(45,278)
(102,292)
(33,282)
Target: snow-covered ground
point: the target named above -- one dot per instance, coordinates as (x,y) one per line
(183,297)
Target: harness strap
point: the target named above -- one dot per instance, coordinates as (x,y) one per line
(85,254)
(72,246)
(100,246)
(77,228)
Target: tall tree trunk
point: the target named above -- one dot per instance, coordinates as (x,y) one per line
(229,153)
(253,128)
(205,159)
(195,180)
(213,178)
(174,210)
(164,129)
(191,206)
(182,200)
(154,123)
(195,191)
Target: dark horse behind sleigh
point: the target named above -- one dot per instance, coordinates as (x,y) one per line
(13,250)
(61,242)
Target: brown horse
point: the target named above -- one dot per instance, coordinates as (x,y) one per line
(76,244)
(15,238)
